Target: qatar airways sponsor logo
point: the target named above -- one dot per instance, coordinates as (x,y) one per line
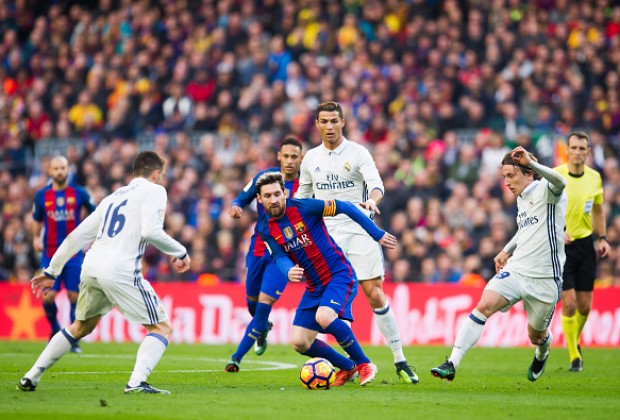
(298,242)
(61,215)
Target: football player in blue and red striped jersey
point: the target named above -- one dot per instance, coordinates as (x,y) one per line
(57,210)
(299,243)
(264,282)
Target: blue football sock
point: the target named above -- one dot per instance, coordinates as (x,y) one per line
(51,312)
(251,306)
(345,337)
(255,328)
(261,317)
(72,312)
(321,349)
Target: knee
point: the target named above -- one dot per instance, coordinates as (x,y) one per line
(375,296)
(325,316)
(165,330)
(300,346)
(537,337)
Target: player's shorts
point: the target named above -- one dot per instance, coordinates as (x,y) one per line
(580,266)
(364,253)
(69,276)
(539,296)
(135,299)
(264,276)
(338,295)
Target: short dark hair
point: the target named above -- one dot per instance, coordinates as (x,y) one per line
(580,135)
(329,106)
(146,163)
(291,141)
(269,178)
(508,160)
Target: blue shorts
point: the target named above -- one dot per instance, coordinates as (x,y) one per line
(70,277)
(264,276)
(338,295)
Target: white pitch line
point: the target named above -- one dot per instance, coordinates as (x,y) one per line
(269,364)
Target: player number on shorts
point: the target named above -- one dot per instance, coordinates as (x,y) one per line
(117,221)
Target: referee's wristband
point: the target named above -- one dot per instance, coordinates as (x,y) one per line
(603,237)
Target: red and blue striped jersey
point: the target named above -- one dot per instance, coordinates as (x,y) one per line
(301,237)
(59,211)
(257,246)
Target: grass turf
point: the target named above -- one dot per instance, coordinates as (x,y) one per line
(491,383)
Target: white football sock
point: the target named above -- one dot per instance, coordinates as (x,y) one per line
(55,349)
(386,321)
(150,351)
(468,336)
(543,349)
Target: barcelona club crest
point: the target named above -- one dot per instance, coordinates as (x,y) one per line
(60,201)
(288,232)
(300,227)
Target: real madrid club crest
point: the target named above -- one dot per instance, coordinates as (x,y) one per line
(60,201)
(288,232)
(300,227)
(347,166)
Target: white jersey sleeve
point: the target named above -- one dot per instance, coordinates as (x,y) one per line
(82,236)
(153,212)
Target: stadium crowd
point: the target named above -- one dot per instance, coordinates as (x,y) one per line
(437,90)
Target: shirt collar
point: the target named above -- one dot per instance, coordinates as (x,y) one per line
(338,149)
(527,191)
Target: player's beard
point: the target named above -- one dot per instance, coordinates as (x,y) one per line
(60,180)
(276,211)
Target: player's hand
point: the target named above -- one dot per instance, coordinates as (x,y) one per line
(388,240)
(520,155)
(370,205)
(235,212)
(295,274)
(181,265)
(603,248)
(37,244)
(41,284)
(500,260)
(567,239)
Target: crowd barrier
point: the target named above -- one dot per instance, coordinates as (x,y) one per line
(426,314)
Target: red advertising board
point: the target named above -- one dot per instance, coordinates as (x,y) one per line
(218,314)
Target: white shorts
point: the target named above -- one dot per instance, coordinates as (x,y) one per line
(135,299)
(365,254)
(539,296)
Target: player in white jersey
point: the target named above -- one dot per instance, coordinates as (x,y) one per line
(119,230)
(345,170)
(530,265)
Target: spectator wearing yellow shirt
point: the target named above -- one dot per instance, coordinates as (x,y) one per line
(85,115)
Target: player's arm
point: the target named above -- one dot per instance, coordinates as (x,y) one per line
(37,222)
(373,180)
(87,201)
(502,258)
(600,226)
(152,229)
(245,197)
(83,235)
(291,270)
(305,189)
(557,183)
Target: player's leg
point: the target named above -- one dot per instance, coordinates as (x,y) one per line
(334,310)
(569,301)
(256,329)
(49,307)
(256,267)
(540,297)
(149,353)
(272,286)
(499,294)
(57,347)
(72,285)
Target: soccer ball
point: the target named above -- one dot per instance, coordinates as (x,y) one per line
(317,373)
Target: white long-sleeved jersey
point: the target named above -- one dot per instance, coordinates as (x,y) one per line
(348,173)
(119,229)
(539,241)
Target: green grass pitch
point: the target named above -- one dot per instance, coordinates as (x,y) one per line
(491,383)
